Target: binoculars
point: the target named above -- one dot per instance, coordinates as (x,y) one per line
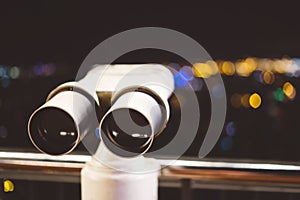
(127,104)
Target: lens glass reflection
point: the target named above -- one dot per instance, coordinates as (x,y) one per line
(53,131)
(126,130)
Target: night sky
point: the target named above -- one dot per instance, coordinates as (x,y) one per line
(65,31)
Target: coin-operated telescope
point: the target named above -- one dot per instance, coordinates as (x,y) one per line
(129,105)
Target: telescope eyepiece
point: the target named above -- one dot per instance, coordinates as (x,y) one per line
(53,131)
(126,132)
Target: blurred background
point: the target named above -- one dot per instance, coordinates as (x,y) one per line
(254,45)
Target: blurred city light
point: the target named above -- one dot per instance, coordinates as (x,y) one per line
(228,68)
(289,90)
(268,77)
(279,94)
(8,186)
(255,100)
(245,100)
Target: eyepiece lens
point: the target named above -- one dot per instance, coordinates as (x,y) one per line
(126,132)
(53,131)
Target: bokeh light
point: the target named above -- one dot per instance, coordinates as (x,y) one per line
(197,84)
(14,72)
(245,100)
(252,63)
(230,129)
(268,77)
(49,69)
(38,69)
(258,76)
(278,66)
(187,73)
(217,91)
(202,70)
(279,94)
(255,100)
(289,90)
(2,71)
(226,143)
(228,68)
(213,66)
(8,186)
(179,80)
(246,67)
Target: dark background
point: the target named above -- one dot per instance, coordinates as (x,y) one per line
(65,31)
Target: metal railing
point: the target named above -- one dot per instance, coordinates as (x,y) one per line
(184,174)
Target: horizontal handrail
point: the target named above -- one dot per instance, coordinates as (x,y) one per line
(201,174)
